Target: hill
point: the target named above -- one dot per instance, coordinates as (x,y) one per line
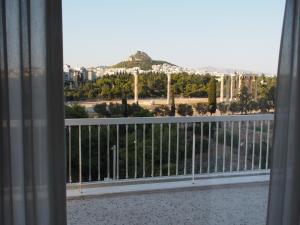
(139,59)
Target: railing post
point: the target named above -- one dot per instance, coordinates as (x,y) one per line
(193,154)
(114,162)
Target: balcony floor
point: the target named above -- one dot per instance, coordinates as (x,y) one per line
(236,205)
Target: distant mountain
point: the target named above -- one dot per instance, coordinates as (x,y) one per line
(226,70)
(139,59)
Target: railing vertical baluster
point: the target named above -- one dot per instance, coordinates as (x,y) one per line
(246,145)
(169,151)
(185,147)
(231,146)
(253,146)
(126,153)
(193,153)
(144,150)
(201,147)
(224,147)
(177,149)
(209,143)
(70,155)
(90,155)
(80,165)
(108,158)
(99,155)
(239,147)
(260,144)
(118,151)
(217,143)
(160,150)
(268,140)
(135,151)
(114,162)
(152,152)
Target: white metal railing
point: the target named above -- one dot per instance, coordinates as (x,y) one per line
(111,149)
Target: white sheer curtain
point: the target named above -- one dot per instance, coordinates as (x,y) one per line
(284,201)
(32,188)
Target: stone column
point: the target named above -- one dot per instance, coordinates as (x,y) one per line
(240,83)
(136,94)
(231,87)
(255,88)
(227,88)
(222,89)
(169,89)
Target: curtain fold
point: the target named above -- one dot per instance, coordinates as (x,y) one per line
(32,155)
(284,196)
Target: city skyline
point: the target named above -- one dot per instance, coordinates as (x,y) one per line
(230,35)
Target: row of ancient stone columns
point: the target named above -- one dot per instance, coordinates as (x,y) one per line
(230,86)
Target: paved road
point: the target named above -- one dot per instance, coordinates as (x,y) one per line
(230,206)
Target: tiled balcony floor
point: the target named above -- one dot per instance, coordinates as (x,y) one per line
(236,205)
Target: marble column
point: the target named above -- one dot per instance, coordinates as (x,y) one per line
(240,83)
(222,89)
(255,88)
(227,88)
(231,87)
(136,94)
(169,89)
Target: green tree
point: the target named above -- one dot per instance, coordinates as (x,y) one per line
(212,96)
(244,99)
(185,110)
(173,106)
(124,106)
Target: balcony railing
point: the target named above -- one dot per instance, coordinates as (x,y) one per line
(115,149)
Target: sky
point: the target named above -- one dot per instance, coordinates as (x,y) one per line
(190,33)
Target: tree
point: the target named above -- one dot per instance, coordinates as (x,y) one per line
(172,107)
(201,108)
(244,99)
(75,111)
(234,107)
(212,96)
(223,108)
(185,110)
(124,106)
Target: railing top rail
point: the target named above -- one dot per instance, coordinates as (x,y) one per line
(166,120)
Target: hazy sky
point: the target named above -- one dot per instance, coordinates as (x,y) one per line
(239,34)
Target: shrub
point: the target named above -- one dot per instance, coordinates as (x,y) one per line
(223,108)
(234,107)
(185,110)
(201,108)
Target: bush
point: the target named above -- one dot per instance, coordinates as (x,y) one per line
(162,110)
(201,108)
(253,106)
(223,108)
(101,110)
(234,107)
(185,110)
(75,111)
(263,105)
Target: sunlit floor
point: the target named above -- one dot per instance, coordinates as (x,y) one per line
(239,205)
